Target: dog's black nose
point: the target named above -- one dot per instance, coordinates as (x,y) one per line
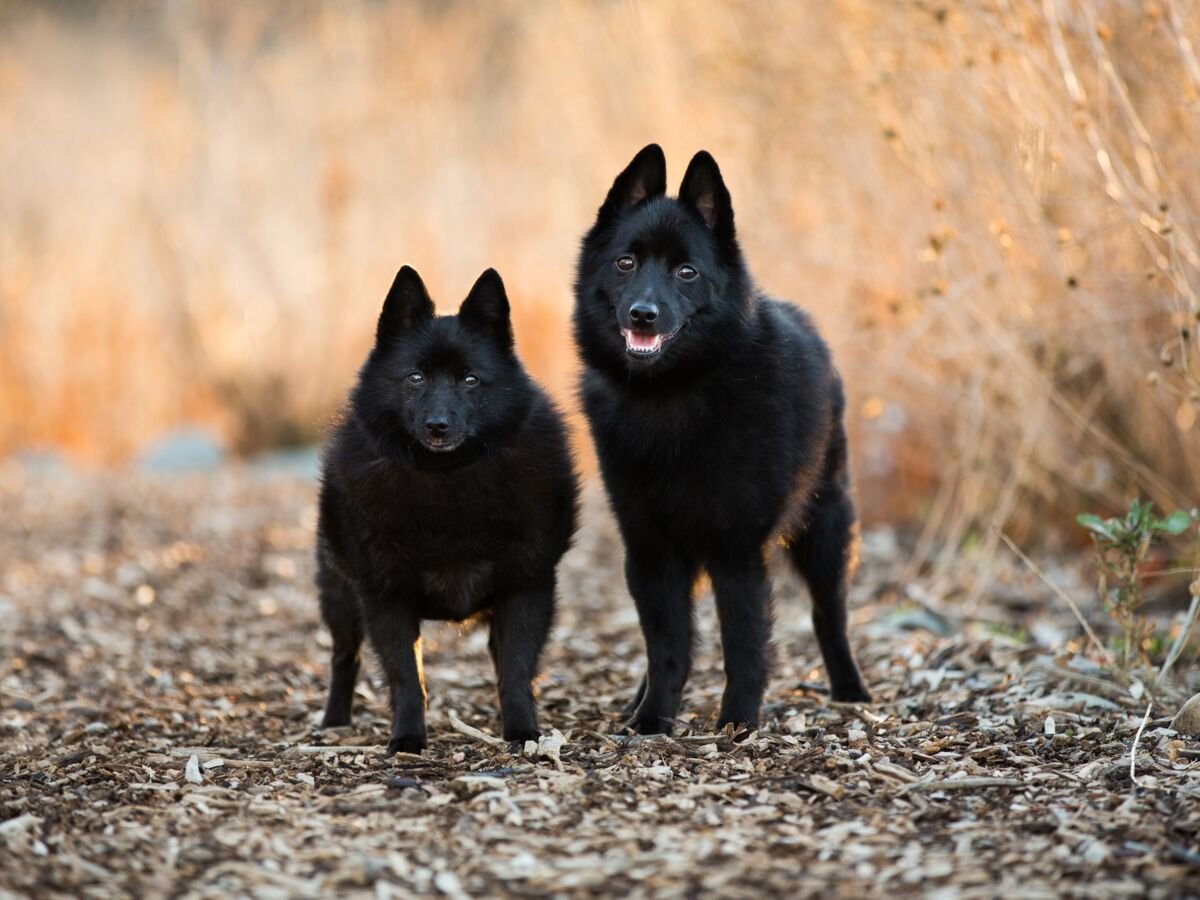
(643,312)
(437,426)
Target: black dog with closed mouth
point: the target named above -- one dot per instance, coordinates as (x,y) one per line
(448,492)
(717,418)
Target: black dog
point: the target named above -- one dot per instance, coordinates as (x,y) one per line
(448,492)
(717,417)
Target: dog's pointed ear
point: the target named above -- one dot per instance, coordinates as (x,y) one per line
(703,189)
(407,304)
(643,179)
(485,311)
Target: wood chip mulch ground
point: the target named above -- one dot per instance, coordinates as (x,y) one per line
(162,667)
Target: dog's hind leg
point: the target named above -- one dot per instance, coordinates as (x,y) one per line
(340,610)
(823,550)
(631,707)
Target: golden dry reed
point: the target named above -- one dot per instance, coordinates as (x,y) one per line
(990,208)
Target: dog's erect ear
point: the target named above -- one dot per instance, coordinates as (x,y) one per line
(703,189)
(406,305)
(644,178)
(485,311)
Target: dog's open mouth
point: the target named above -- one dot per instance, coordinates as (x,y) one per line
(645,344)
(441,445)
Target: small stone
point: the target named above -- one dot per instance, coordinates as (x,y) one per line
(192,771)
(1094,852)
(1187,720)
(449,884)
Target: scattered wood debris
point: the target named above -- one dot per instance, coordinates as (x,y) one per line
(163,670)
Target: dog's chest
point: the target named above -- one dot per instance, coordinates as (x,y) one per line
(459,590)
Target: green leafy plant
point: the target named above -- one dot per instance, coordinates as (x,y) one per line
(1122,543)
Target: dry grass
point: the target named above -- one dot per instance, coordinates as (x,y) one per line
(989,207)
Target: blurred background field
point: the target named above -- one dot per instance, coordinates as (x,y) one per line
(990,208)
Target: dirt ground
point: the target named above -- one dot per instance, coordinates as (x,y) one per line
(163,667)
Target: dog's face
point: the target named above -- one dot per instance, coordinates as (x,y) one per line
(439,386)
(657,275)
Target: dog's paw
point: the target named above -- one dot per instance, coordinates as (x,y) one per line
(406,743)
(335,720)
(521,735)
(742,725)
(852,693)
(651,724)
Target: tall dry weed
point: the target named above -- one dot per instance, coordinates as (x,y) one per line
(988,207)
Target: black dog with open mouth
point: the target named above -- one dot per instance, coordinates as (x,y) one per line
(717,416)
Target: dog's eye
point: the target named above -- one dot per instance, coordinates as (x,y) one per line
(626,263)
(471,380)
(687,273)
(416,378)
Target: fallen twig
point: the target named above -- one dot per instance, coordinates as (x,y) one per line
(1061,594)
(894,771)
(470,731)
(1133,750)
(205,753)
(963,784)
(1180,640)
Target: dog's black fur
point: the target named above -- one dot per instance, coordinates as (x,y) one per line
(717,417)
(448,492)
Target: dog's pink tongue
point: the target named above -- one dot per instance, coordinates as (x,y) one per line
(639,341)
